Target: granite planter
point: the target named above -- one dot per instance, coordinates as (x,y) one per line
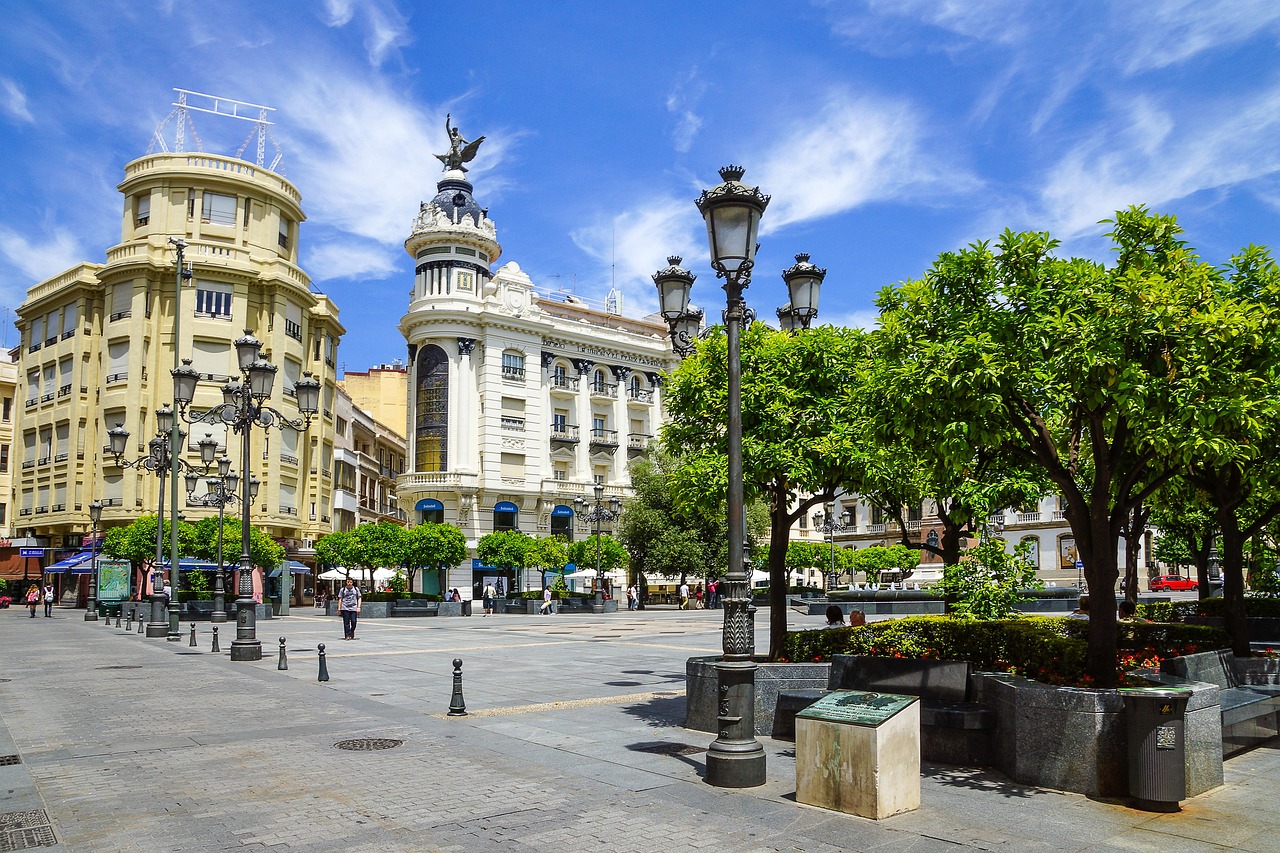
(701,690)
(368,609)
(1073,739)
(450,608)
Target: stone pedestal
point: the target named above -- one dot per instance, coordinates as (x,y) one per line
(859,753)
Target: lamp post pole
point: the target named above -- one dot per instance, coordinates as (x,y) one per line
(174,572)
(95,515)
(221,491)
(830,524)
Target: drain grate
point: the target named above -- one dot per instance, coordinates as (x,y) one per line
(667,748)
(366,744)
(121,666)
(10,759)
(25,830)
(5,680)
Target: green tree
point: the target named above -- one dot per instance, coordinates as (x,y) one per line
(433,547)
(875,559)
(612,556)
(1097,375)
(549,554)
(798,446)
(506,550)
(377,546)
(264,552)
(988,582)
(336,550)
(136,543)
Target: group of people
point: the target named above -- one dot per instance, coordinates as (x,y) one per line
(36,595)
(695,602)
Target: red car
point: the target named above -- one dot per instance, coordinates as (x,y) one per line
(1172,583)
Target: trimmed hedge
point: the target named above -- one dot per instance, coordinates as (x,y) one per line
(1260,606)
(1048,649)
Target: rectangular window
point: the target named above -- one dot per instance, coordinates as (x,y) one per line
(211,359)
(70,315)
(51,326)
(7,414)
(4,513)
(64,377)
(512,465)
(121,301)
(50,380)
(33,385)
(218,209)
(64,439)
(4,458)
(141,210)
(117,361)
(283,239)
(512,365)
(213,299)
(292,375)
(293,321)
(561,471)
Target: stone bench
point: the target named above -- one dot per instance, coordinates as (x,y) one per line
(1248,693)
(953,729)
(426,608)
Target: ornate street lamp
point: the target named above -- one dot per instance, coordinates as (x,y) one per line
(95,515)
(221,490)
(803,283)
(160,460)
(830,525)
(242,408)
(598,513)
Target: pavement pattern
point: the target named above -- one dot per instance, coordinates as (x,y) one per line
(573,741)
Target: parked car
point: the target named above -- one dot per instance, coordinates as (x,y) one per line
(1172,583)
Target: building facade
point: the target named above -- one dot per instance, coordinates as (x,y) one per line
(368,457)
(381,391)
(98,345)
(517,403)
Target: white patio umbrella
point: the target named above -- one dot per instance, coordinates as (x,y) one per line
(337,574)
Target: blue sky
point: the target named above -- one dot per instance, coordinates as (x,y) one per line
(886,132)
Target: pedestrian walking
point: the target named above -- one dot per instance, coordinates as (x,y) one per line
(33,598)
(684,596)
(633,597)
(489,594)
(546,601)
(48,601)
(713,595)
(698,598)
(349,607)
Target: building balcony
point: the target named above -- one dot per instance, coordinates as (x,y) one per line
(564,434)
(1026,518)
(514,424)
(638,443)
(603,390)
(424,481)
(639,395)
(564,385)
(604,439)
(512,373)
(1058,515)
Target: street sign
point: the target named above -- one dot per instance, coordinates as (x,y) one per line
(1079,564)
(30,552)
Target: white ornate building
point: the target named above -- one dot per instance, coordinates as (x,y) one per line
(517,403)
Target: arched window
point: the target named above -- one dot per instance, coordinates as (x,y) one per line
(598,381)
(506,516)
(431,441)
(1033,550)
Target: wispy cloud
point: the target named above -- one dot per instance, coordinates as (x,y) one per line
(1161,156)
(338,13)
(14,101)
(29,259)
(854,150)
(682,103)
(386,29)
(1157,35)
(341,257)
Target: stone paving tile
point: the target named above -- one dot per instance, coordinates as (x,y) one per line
(196,753)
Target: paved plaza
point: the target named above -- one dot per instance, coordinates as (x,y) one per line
(573,742)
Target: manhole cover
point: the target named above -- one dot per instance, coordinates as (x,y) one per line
(666,748)
(10,759)
(121,666)
(366,744)
(25,830)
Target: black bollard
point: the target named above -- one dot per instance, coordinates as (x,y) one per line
(192,644)
(457,707)
(324,670)
(117,618)
(142,626)
(284,661)
(128,622)
(215,640)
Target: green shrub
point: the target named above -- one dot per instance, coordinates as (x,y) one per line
(384,596)
(1254,605)
(1048,649)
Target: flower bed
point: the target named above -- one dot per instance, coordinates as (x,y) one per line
(1046,649)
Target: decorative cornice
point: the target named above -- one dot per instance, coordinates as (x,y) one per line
(583,365)
(466,345)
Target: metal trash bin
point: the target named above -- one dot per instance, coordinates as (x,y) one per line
(466,607)
(1157,745)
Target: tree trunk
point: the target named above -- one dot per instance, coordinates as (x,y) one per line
(1233,583)
(1199,549)
(1097,548)
(779,537)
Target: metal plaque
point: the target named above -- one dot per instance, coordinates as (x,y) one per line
(856,707)
(1166,737)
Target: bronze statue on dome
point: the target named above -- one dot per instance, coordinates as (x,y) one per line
(460,150)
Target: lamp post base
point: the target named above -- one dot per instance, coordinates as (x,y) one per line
(91,615)
(736,759)
(174,632)
(157,625)
(597,603)
(247,650)
(218,616)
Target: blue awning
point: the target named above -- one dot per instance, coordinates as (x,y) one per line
(505,506)
(77,563)
(427,504)
(295,568)
(560,510)
(191,564)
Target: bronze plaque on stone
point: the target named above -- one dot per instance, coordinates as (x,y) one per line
(856,707)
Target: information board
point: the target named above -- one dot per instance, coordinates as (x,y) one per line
(113,580)
(856,707)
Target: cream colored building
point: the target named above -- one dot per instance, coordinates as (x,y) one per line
(97,348)
(380,391)
(368,456)
(517,403)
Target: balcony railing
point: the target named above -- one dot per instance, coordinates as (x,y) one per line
(64,390)
(289,510)
(604,389)
(117,377)
(51,341)
(515,374)
(564,382)
(57,508)
(638,440)
(1026,518)
(46,397)
(113,501)
(604,437)
(640,395)
(293,330)
(120,315)
(288,459)
(1059,515)
(567,433)
(876,528)
(512,423)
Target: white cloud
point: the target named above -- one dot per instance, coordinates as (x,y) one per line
(641,239)
(29,260)
(682,103)
(14,101)
(338,13)
(345,258)
(1158,157)
(852,151)
(1157,35)
(386,30)
(856,318)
